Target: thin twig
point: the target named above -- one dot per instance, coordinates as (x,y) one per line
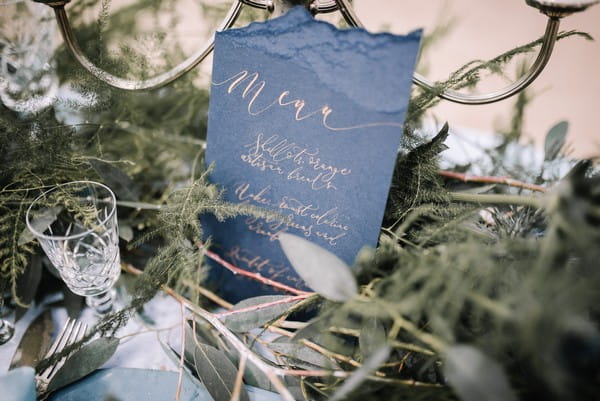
(208,294)
(182,357)
(254,276)
(265,305)
(492,180)
(394,343)
(237,387)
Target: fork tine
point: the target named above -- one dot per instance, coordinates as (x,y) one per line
(68,326)
(77,333)
(71,333)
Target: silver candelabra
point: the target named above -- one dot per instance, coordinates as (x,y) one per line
(553,9)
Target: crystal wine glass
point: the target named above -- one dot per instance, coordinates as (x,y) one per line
(76,225)
(28,82)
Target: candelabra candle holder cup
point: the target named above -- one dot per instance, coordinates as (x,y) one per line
(76,226)
(28,82)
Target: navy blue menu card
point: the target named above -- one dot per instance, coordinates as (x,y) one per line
(305,120)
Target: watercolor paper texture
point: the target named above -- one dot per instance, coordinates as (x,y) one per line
(306,120)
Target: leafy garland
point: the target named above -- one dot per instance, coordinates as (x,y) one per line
(502,283)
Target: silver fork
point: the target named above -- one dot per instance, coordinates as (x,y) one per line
(71,332)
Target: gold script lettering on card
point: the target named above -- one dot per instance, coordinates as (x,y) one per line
(295,162)
(325,224)
(255,86)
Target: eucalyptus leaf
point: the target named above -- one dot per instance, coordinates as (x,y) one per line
(372,336)
(35,341)
(116,179)
(217,373)
(244,321)
(555,140)
(322,271)
(253,376)
(39,221)
(202,335)
(361,374)
(84,361)
(475,377)
(302,353)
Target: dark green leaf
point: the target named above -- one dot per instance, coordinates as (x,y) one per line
(84,361)
(244,321)
(476,377)
(116,179)
(217,373)
(322,271)
(35,341)
(372,336)
(302,353)
(253,376)
(203,334)
(362,373)
(555,140)
(40,222)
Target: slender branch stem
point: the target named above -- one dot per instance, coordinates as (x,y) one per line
(492,180)
(237,387)
(497,199)
(394,343)
(253,276)
(265,305)
(182,354)
(208,294)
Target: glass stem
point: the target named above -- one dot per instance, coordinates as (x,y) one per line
(6,331)
(102,304)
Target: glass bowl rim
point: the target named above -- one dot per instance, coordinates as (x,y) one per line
(37,234)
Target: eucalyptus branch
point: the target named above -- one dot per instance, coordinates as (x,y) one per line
(273,373)
(498,199)
(492,180)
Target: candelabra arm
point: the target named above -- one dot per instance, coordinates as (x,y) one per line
(150,83)
(473,99)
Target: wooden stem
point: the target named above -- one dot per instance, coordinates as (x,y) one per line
(492,180)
